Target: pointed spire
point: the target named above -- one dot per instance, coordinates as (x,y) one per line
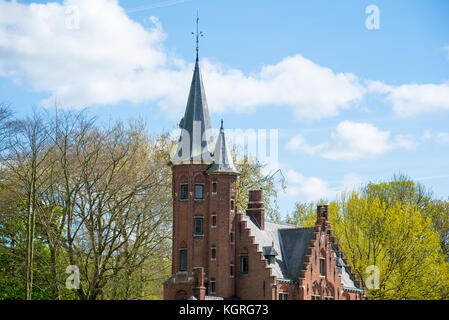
(223,162)
(195,142)
(198,35)
(197,39)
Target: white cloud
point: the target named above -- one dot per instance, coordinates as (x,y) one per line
(296,143)
(413,99)
(446,48)
(353,140)
(307,188)
(107,59)
(351,181)
(310,90)
(111,58)
(302,188)
(439,137)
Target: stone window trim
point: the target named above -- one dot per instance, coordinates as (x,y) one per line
(213,219)
(283,296)
(195,193)
(213,253)
(213,288)
(186,198)
(201,232)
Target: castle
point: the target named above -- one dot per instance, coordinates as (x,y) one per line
(220,253)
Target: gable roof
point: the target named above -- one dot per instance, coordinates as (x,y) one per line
(292,242)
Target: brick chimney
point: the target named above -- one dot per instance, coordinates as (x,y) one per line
(322,212)
(199,290)
(322,218)
(255,207)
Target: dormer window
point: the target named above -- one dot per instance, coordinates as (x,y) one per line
(270,253)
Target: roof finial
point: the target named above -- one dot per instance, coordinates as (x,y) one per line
(198,34)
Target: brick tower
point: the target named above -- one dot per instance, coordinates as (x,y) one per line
(203,187)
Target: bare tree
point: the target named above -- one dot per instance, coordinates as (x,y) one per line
(108,202)
(26,162)
(5,126)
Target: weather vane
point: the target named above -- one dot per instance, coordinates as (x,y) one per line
(198,34)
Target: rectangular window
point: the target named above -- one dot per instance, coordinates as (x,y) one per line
(212,286)
(283,296)
(183,260)
(214,221)
(198,226)
(322,266)
(231,270)
(214,187)
(231,237)
(214,253)
(199,191)
(184,191)
(232,204)
(244,264)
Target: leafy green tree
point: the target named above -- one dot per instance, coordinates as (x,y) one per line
(390,225)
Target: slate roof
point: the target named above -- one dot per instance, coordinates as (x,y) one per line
(269,251)
(195,142)
(292,243)
(223,162)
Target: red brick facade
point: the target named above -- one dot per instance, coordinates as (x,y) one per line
(220,252)
(199,247)
(232,239)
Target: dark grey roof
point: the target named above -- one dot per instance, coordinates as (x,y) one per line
(346,277)
(295,243)
(223,162)
(195,125)
(270,236)
(292,243)
(269,251)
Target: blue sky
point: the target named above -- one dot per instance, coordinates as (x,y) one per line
(350,104)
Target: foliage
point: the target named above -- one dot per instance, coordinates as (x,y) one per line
(252,177)
(391,225)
